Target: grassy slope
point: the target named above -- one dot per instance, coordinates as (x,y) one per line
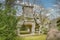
(41,37)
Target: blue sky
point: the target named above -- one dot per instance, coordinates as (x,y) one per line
(44,3)
(47,3)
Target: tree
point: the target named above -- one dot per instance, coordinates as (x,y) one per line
(53,33)
(40,19)
(8,21)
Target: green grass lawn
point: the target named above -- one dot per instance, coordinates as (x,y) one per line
(36,37)
(39,37)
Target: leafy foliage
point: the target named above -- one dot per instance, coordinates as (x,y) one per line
(8,23)
(58,24)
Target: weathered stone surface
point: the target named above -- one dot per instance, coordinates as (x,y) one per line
(53,34)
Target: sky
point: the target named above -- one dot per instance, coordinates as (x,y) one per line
(47,3)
